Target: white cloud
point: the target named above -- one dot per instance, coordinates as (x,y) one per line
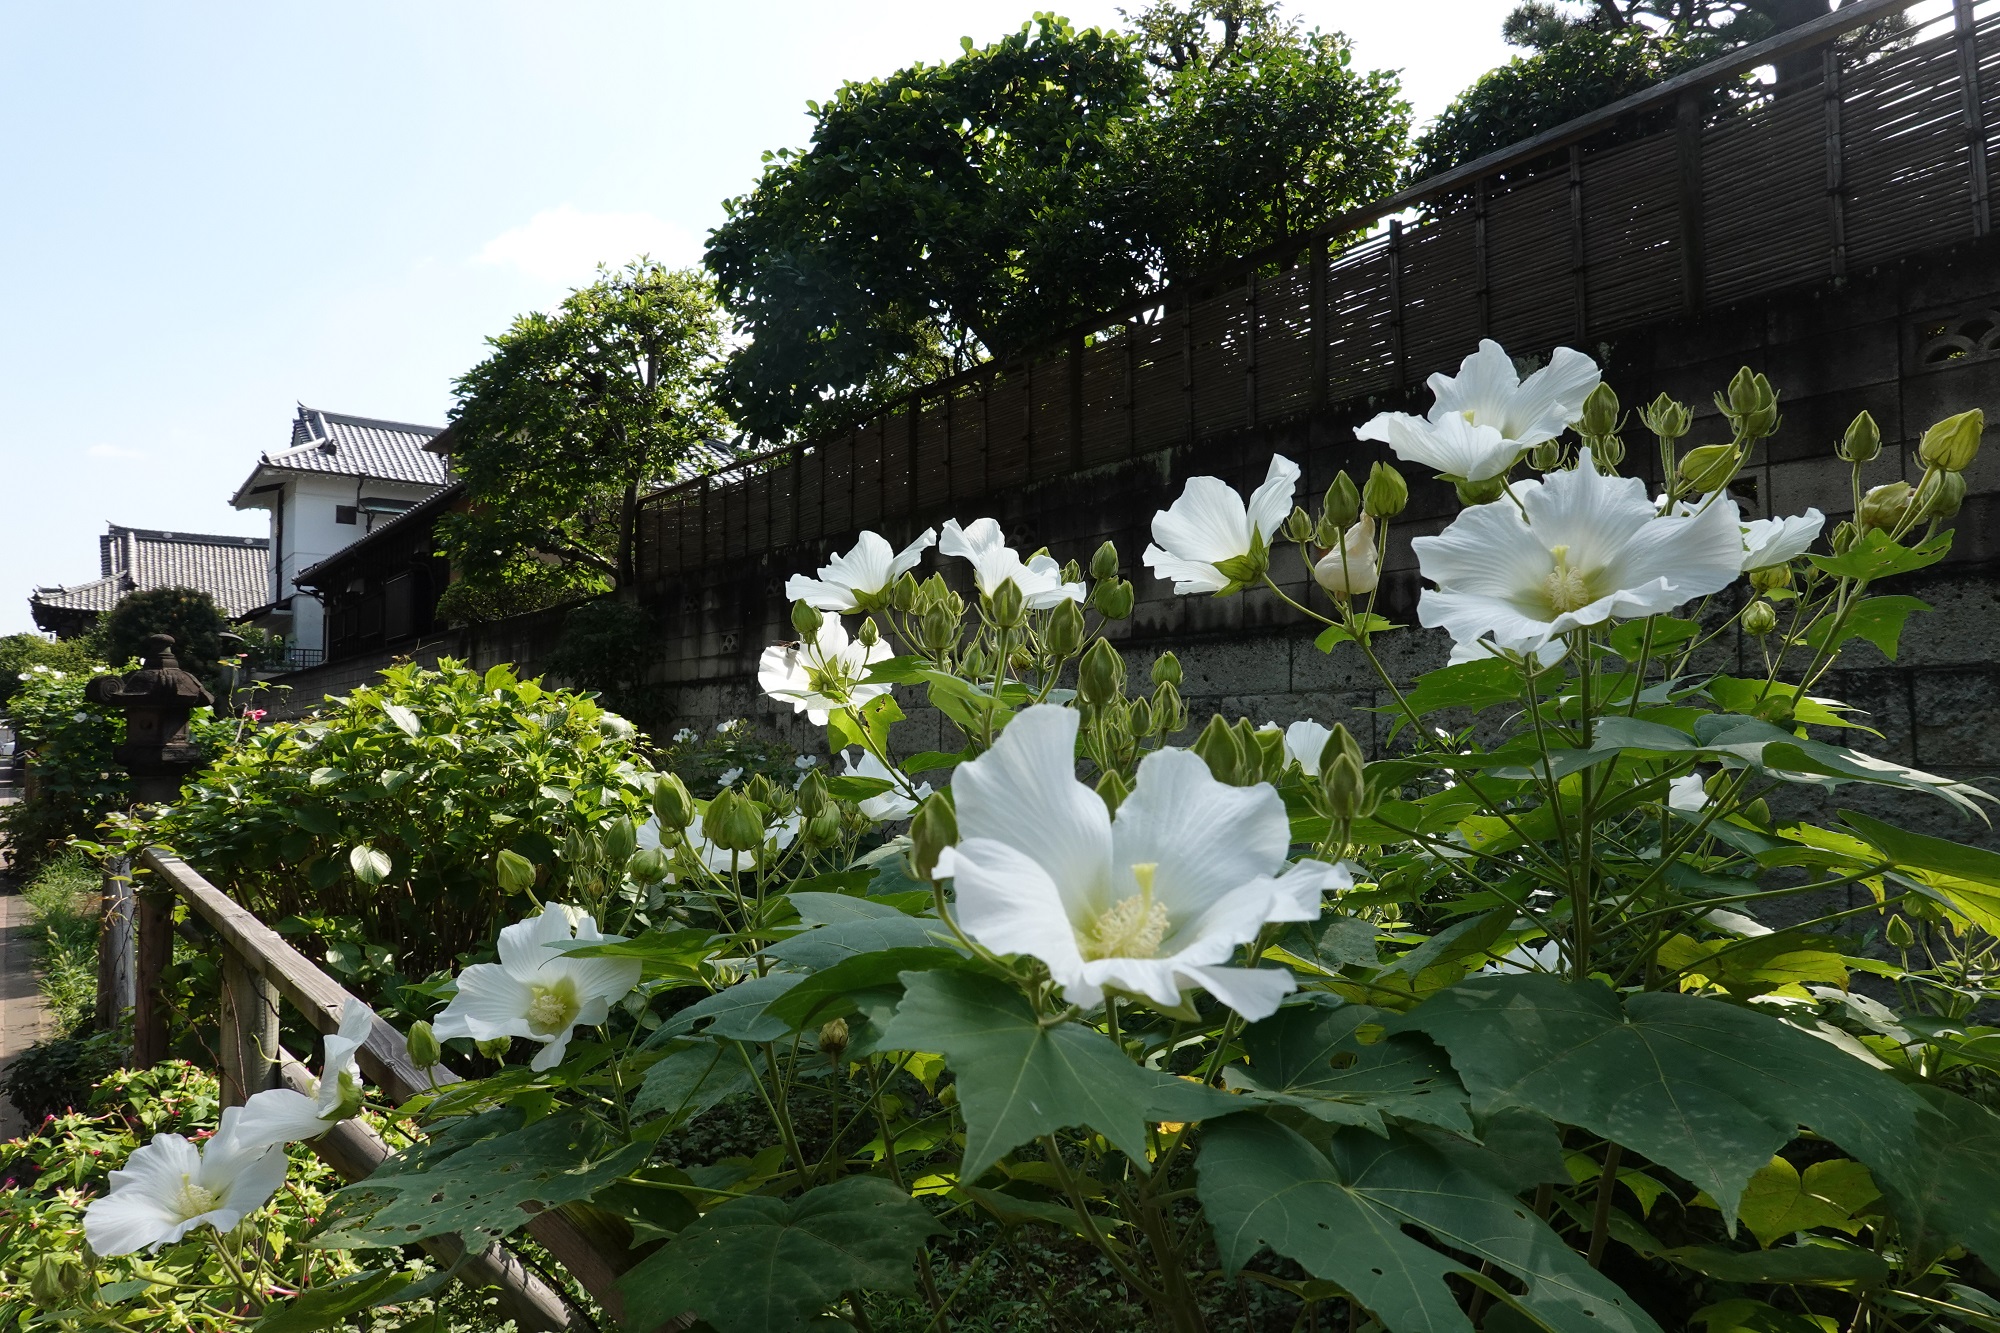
(112,451)
(565,245)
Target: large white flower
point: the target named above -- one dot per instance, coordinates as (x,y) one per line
(535,992)
(891,805)
(169,1187)
(1153,903)
(1773,541)
(1482,418)
(860,579)
(1209,540)
(994,563)
(1688,794)
(280,1115)
(1579,548)
(825,674)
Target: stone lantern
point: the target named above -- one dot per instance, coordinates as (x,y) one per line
(156,701)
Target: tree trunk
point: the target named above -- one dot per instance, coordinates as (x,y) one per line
(628,528)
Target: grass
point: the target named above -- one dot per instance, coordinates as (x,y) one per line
(63,899)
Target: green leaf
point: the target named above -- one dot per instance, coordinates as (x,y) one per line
(758,1265)
(1747,1316)
(1018,1080)
(473,1180)
(1473,685)
(405,720)
(1875,556)
(1306,1056)
(1879,620)
(1460,940)
(1263,1184)
(1779,1201)
(1668,633)
(824,946)
(370,866)
(737,1012)
(328,1304)
(661,953)
(692,1080)
(1805,1265)
(1334,635)
(815,997)
(1967,877)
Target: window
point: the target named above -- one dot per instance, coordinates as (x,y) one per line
(346,513)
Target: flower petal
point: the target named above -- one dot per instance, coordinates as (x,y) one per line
(1484,386)
(1207,523)
(490,1004)
(524,945)
(1271,503)
(1024,792)
(1205,837)
(1004,898)
(1773,541)
(1254,992)
(279,1115)
(1549,400)
(1304,742)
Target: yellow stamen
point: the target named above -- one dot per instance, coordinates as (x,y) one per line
(194,1200)
(1134,927)
(1566,588)
(553,1009)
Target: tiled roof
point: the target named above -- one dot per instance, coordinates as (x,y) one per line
(332,442)
(236,571)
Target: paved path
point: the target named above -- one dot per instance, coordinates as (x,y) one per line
(23,1018)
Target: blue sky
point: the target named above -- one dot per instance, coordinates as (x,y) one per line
(218,210)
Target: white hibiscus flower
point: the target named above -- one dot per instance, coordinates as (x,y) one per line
(1209,540)
(824,674)
(1773,541)
(169,1187)
(1353,568)
(280,1115)
(1543,957)
(891,805)
(1305,741)
(1484,417)
(860,579)
(1579,549)
(1153,903)
(1687,794)
(535,992)
(994,563)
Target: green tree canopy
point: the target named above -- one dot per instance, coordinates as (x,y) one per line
(979,207)
(572,417)
(19,653)
(192,617)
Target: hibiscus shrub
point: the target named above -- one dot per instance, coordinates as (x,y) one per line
(1544,1023)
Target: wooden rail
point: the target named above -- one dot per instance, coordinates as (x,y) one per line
(260,970)
(1646,210)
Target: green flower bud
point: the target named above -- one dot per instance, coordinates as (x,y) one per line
(1760,618)
(1113,790)
(1166,669)
(833,1038)
(1142,718)
(1545,456)
(733,823)
(1607,451)
(424,1047)
(1771,577)
(1863,441)
(1709,468)
(937,631)
(1264,751)
(903,593)
(496,1048)
(973,665)
(1104,563)
(57,1280)
(1072,572)
(1298,525)
(1113,598)
(1005,606)
(1667,418)
(806,619)
(1063,634)
(1479,492)
(812,793)
(649,865)
(1343,505)
(1750,392)
(824,827)
(1169,713)
(1386,494)
(1343,789)
(1884,507)
(934,828)
(672,803)
(1100,677)
(1600,411)
(1953,443)
(621,839)
(514,872)
(1940,495)
(1221,750)
(1899,932)
(761,790)
(1338,743)
(1758,812)
(1843,537)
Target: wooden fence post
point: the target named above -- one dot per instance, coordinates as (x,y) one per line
(1975,114)
(249,1043)
(155,951)
(1395,254)
(115,960)
(1836,157)
(1694,255)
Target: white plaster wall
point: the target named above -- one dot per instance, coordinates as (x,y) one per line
(310,535)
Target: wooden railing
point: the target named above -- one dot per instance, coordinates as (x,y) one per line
(1644,210)
(260,971)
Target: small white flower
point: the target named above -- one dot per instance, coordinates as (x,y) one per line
(535,992)
(1210,541)
(859,580)
(1353,568)
(684,735)
(1482,419)
(1687,795)
(1773,541)
(817,677)
(891,805)
(729,725)
(280,1115)
(169,1187)
(1304,743)
(1544,957)
(994,563)
(1578,549)
(729,776)
(805,761)
(1153,903)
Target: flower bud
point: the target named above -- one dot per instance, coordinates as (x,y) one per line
(869,633)
(937,631)
(733,823)
(1607,451)
(1104,563)
(1166,669)
(1600,411)
(824,827)
(1100,677)
(1142,717)
(1480,492)
(1899,933)
(1760,618)
(424,1047)
(1771,577)
(761,790)
(1545,456)
(1354,567)
(514,872)
(812,793)
(1940,495)
(1221,750)
(621,839)
(806,619)
(1340,741)
(1863,441)
(833,1037)
(973,665)
(57,1280)
(1113,790)
(1386,493)
(934,828)
(1666,418)
(1843,537)
(1749,392)
(649,865)
(1709,468)
(1343,504)
(1072,572)
(1953,443)
(1063,634)
(495,1048)
(1298,526)
(903,593)
(1113,598)
(1758,812)
(1169,713)
(672,803)
(1005,606)
(1344,788)
(1884,507)
(1263,751)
